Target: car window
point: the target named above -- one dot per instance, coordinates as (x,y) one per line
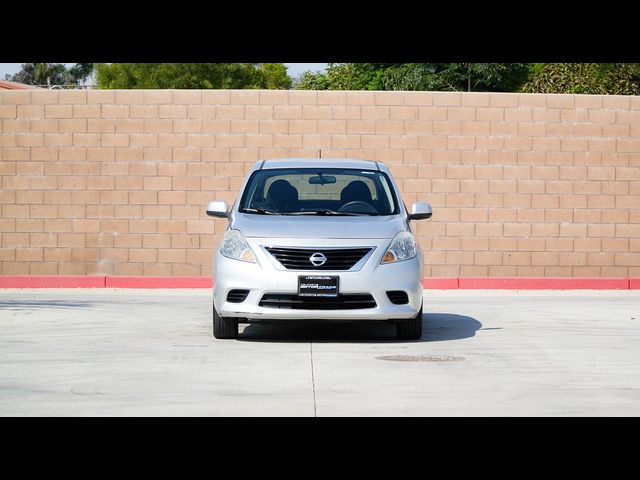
(307,191)
(319,190)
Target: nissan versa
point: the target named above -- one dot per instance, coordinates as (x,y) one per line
(318,239)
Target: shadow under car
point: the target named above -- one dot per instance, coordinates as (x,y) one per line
(437,327)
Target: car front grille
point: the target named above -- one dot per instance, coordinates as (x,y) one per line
(346,301)
(299,258)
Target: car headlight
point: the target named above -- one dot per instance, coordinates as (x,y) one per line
(236,247)
(403,247)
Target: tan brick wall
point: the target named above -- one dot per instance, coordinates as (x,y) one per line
(115,182)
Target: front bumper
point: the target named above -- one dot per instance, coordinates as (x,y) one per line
(267,276)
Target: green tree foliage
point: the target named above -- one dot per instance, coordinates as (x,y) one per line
(275,76)
(354,76)
(192,75)
(342,76)
(52,74)
(587,78)
(41,74)
(312,81)
(495,77)
(80,72)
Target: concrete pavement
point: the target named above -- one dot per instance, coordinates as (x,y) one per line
(80,352)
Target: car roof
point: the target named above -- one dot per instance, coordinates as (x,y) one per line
(319,162)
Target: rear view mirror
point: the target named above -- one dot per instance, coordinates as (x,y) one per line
(217,208)
(322,179)
(420,211)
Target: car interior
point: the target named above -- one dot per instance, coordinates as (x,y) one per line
(354,198)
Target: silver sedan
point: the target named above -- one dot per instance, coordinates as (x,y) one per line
(311,239)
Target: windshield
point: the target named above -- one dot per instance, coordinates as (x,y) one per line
(318,191)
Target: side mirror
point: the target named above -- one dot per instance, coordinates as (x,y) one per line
(217,208)
(420,211)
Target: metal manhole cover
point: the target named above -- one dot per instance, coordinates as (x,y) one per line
(420,358)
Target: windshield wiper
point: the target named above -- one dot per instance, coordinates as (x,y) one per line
(260,211)
(328,212)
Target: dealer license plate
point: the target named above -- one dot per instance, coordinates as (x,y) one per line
(317,286)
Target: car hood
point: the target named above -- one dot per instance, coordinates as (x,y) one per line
(317,226)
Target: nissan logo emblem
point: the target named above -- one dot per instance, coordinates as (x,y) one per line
(318,259)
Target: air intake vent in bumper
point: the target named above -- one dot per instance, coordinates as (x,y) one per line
(398,297)
(237,296)
(294,302)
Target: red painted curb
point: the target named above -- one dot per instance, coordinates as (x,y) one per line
(158,282)
(434,283)
(542,283)
(50,281)
(440,283)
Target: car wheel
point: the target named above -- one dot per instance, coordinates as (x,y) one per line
(410,329)
(224,327)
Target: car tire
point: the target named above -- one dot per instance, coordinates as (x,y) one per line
(224,327)
(410,329)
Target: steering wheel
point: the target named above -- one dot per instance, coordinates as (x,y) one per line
(357,206)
